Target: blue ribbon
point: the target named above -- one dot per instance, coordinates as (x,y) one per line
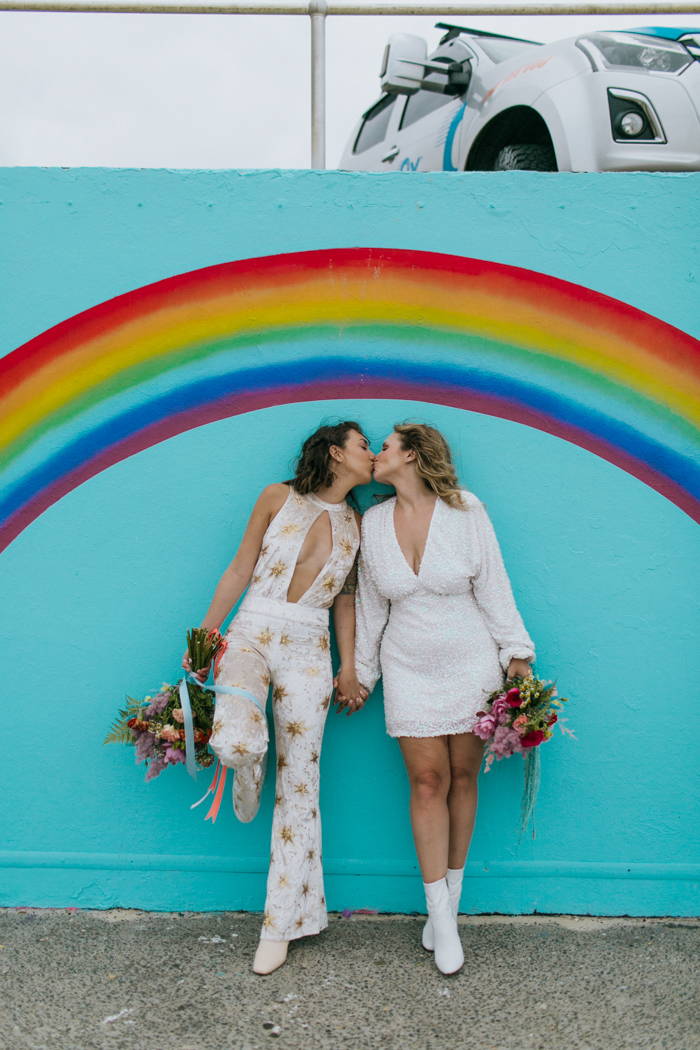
(190,761)
(186,706)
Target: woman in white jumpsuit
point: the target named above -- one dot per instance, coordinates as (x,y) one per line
(436,618)
(296,559)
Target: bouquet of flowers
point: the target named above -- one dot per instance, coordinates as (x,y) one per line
(517,720)
(158,725)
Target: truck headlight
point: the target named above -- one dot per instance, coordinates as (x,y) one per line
(629,51)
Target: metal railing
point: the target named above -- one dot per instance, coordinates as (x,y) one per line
(318,10)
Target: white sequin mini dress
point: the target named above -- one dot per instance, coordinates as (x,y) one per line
(442,638)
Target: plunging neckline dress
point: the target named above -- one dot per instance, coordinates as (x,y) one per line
(441,638)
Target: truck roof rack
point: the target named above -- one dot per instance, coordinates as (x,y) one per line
(454,31)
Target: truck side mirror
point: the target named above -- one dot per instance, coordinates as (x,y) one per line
(403,66)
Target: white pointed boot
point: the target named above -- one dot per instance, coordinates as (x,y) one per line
(270,956)
(449,956)
(454,886)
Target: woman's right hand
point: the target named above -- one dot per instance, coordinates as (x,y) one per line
(349,692)
(202,674)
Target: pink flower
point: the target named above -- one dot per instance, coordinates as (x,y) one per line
(485,727)
(513,697)
(500,709)
(170,733)
(173,755)
(506,742)
(520,723)
(179,715)
(533,739)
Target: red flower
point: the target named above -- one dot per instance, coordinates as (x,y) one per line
(513,697)
(552,719)
(533,739)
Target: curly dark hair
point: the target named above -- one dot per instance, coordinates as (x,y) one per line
(313,470)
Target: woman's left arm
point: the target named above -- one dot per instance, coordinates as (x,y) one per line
(495,597)
(349,692)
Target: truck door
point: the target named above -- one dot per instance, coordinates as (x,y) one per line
(427,131)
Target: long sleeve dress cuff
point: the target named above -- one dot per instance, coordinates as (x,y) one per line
(517,652)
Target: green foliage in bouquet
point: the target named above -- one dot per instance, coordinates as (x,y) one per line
(155,725)
(120,733)
(203,647)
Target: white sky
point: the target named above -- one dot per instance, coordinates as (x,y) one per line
(204,91)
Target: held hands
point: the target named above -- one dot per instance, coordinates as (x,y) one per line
(348,692)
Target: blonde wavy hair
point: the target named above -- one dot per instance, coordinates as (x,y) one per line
(433,460)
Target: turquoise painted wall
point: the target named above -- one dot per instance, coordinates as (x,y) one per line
(98,591)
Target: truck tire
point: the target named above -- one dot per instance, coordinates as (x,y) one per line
(525,158)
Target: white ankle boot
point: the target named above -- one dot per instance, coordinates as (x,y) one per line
(270,956)
(454,886)
(448,947)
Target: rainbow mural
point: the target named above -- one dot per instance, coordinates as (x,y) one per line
(362,323)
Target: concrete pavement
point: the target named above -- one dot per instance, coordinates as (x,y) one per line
(154,981)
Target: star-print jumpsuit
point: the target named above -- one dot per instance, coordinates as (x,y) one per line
(287,645)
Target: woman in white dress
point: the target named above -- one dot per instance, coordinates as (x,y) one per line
(436,618)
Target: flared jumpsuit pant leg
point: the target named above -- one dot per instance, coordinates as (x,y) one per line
(288,647)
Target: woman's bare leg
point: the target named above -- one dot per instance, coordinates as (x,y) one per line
(466,753)
(428,766)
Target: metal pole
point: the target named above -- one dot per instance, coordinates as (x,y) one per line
(317,13)
(440,8)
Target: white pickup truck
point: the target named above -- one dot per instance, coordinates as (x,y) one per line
(608,101)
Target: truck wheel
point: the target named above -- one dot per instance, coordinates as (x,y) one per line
(525,158)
